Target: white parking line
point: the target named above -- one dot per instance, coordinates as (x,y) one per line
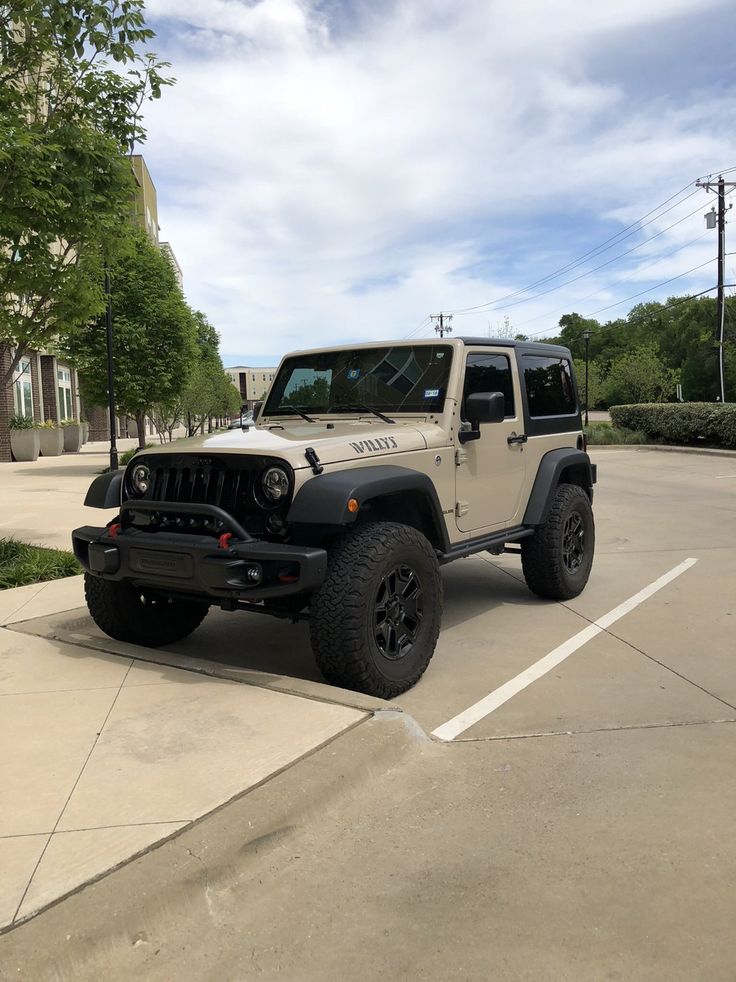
(722,477)
(479,710)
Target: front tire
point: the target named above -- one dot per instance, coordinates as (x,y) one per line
(128,613)
(557,559)
(375,619)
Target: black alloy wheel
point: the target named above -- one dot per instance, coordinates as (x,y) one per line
(573,542)
(375,619)
(557,559)
(399,609)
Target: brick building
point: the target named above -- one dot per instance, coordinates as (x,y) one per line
(44,387)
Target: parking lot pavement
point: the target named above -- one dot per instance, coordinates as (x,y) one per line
(582,829)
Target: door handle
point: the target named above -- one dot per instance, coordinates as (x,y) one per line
(521,438)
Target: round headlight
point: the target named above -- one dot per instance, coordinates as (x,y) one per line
(140,479)
(275,483)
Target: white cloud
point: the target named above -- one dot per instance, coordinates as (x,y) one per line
(322,184)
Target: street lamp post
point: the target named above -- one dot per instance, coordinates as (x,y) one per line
(110,382)
(586,336)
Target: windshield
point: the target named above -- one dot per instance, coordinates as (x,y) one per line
(401,379)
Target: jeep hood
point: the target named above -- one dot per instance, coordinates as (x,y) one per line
(346,441)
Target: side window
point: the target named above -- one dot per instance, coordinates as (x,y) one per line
(549,387)
(489,373)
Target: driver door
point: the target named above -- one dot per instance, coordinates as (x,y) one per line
(489,480)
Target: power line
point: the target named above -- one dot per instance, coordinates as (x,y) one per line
(614,240)
(639,269)
(608,262)
(638,320)
(663,283)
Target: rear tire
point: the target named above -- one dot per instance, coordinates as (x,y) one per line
(557,559)
(127,613)
(375,619)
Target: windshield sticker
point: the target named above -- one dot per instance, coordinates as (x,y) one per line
(431,393)
(353,374)
(375,445)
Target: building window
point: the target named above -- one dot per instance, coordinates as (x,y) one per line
(66,405)
(22,389)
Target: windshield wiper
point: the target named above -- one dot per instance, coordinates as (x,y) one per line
(294,409)
(357,407)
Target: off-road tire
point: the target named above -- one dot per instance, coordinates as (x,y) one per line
(343,612)
(542,555)
(126,613)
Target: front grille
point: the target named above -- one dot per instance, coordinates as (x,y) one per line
(230,482)
(219,486)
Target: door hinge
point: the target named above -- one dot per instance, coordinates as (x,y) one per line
(461,508)
(460,456)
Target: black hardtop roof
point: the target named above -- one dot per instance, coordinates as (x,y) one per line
(533,347)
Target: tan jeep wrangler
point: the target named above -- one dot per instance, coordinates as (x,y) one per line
(367,469)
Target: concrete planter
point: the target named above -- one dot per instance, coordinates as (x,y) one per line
(72,438)
(25,444)
(52,441)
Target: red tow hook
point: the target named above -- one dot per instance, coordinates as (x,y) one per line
(224,540)
(112,530)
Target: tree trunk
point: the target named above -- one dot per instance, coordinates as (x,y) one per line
(140,422)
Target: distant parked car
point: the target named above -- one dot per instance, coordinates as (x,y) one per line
(245,420)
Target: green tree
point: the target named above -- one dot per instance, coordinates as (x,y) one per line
(209,393)
(68,117)
(154,340)
(640,376)
(596,381)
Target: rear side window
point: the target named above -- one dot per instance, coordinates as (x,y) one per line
(549,387)
(489,373)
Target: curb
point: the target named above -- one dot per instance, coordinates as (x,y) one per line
(666,448)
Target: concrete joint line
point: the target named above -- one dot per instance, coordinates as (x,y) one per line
(74,786)
(596,729)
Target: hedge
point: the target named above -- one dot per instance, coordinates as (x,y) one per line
(708,423)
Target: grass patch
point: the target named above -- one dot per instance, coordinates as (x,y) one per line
(21,564)
(601,434)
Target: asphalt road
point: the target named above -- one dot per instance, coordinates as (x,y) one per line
(581,829)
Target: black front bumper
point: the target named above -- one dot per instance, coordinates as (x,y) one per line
(197,565)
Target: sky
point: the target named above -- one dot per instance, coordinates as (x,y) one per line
(336,171)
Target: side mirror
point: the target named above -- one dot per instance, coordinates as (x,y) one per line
(485,407)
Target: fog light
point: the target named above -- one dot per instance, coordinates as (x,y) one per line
(253,574)
(275,523)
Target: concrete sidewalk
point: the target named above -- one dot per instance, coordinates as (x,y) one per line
(107,755)
(43,500)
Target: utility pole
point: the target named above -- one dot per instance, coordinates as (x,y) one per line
(443,323)
(586,336)
(720,187)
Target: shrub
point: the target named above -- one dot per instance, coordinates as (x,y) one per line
(21,564)
(125,458)
(601,434)
(681,423)
(22,423)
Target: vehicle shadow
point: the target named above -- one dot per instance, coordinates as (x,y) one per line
(255,642)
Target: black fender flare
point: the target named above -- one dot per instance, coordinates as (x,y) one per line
(323,500)
(551,469)
(105,491)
